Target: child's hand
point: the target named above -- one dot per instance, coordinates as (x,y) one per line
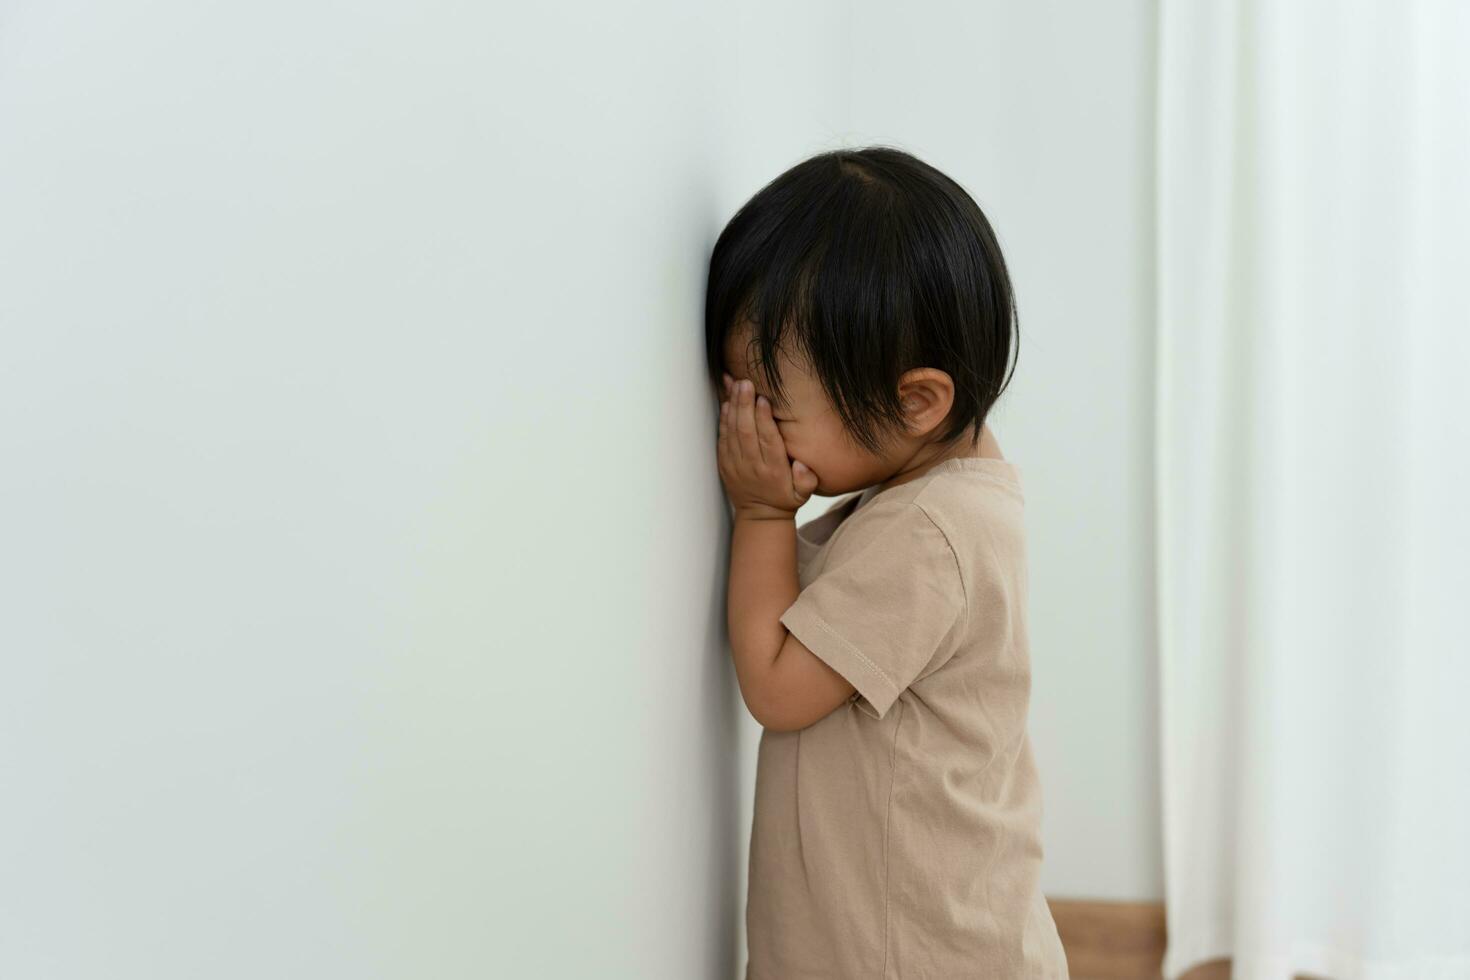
(759,479)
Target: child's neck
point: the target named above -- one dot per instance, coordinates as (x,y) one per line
(963,448)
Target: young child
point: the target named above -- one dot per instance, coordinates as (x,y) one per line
(859,323)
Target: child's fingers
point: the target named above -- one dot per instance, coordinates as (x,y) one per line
(722,445)
(770,437)
(734,452)
(744,410)
(803,480)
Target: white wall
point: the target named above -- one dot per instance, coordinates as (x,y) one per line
(361,544)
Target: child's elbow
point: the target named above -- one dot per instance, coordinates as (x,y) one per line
(768,717)
(768,714)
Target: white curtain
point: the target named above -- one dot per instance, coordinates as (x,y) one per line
(1313,486)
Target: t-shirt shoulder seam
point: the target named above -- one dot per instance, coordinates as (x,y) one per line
(992,479)
(954,556)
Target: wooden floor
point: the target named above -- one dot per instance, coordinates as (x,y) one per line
(1122,941)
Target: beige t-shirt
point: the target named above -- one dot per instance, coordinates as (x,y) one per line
(898,838)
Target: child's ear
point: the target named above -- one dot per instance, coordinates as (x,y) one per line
(926,394)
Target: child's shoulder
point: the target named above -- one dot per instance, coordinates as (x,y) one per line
(959,491)
(968,501)
(978,508)
(970,486)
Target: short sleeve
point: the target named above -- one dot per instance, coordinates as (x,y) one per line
(884,609)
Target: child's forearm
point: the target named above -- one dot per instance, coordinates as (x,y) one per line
(763,585)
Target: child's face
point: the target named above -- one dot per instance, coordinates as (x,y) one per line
(809,423)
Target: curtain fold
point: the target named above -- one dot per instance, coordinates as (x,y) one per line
(1313,412)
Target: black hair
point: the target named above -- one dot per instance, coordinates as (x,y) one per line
(869,262)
